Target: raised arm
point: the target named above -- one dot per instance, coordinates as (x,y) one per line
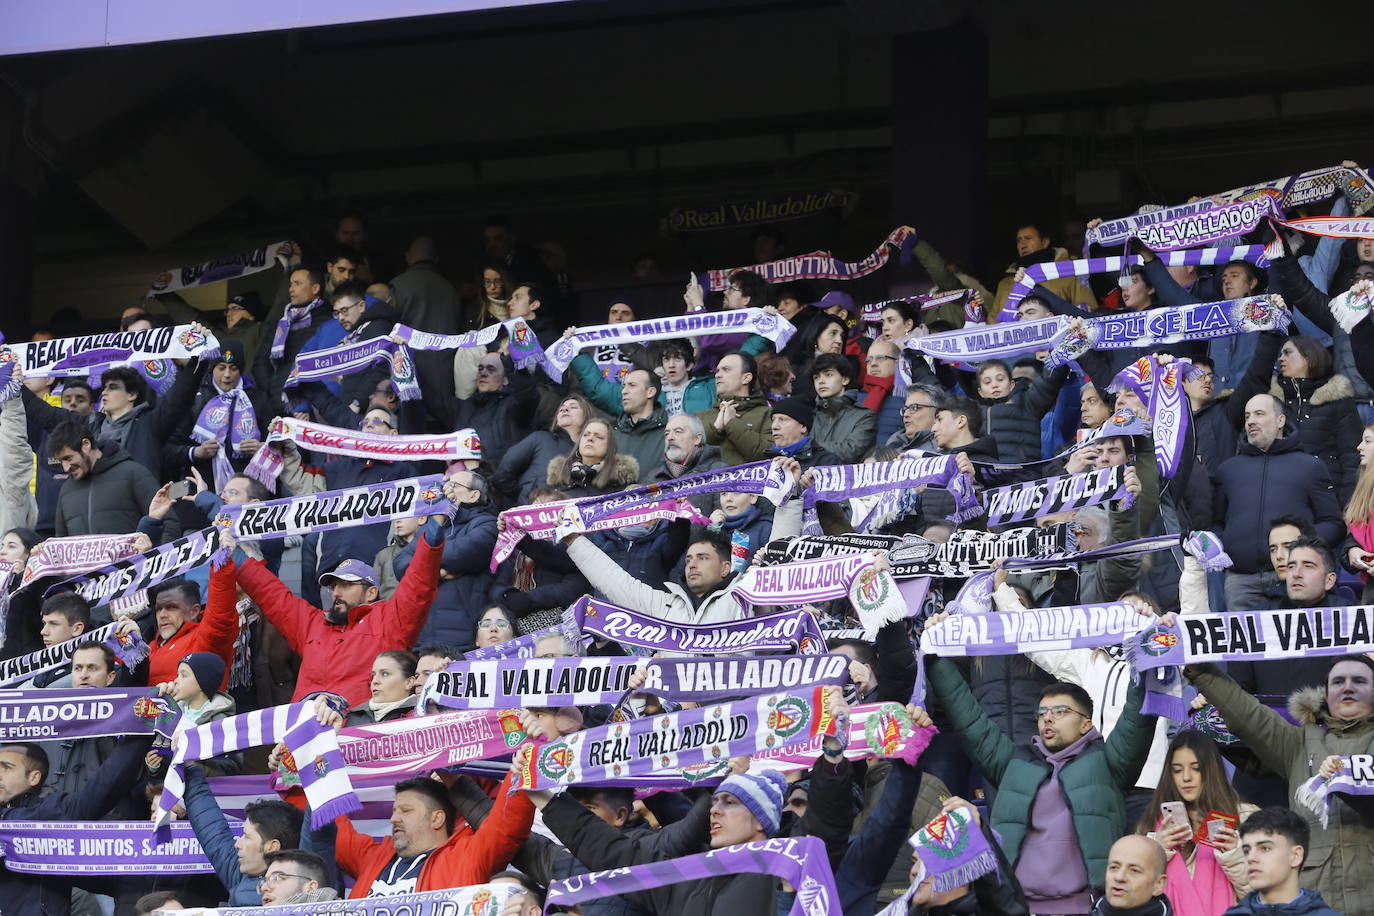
(1129,743)
(983,742)
(212,830)
(405,613)
(614,582)
(600,390)
(1273,738)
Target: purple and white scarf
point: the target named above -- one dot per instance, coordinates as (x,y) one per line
(333,509)
(355,356)
(160,374)
(77,554)
(512,684)
(1082,267)
(333,440)
(1207,549)
(129,577)
(1160,389)
(783,631)
(213,426)
(474,900)
(1206,227)
(226,268)
(102,848)
(872,312)
(312,746)
(1019,502)
(803,582)
(846,481)
(953,850)
(1171,324)
(1352,306)
(1052,629)
(820,265)
(129,649)
(769,325)
(84,712)
(689,737)
(1333,227)
(296,318)
(525,351)
(75,356)
(800,861)
(1292,192)
(1356,777)
(556,520)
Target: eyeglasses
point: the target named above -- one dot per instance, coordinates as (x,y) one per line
(493,624)
(377,421)
(276,878)
(1204,377)
(733,289)
(874,357)
(339,313)
(912,408)
(1057,712)
(234,307)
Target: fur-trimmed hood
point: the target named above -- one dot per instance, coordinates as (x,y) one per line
(624,473)
(1333,389)
(1308,707)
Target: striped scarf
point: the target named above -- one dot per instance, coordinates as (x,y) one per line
(324,778)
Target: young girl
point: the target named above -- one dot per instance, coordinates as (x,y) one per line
(1205,879)
(393,676)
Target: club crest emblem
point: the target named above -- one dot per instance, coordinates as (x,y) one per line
(191,339)
(946,836)
(1156,641)
(789,716)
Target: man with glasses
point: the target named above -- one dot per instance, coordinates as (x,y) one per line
(238,320)
(362,318)
(1060,802)
(500,409)
(918,416)
(879,379)
(1212,427)
(295,876)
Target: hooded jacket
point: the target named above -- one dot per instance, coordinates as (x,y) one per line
(110,499)
(1094,783)
(377,320)
(843,428)
(1256,486)
(1338,863)
(525,465)
(338,659)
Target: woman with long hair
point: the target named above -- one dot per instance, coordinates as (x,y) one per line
(595,465)
(525,466)
(494,288)
(393,677)
(1359,517)
(1206,869)
(21,625)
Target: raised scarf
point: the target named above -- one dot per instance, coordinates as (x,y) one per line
(820,265)
(1019,502)
(333,440)
(215,270)
(75,356)
(84,712)
(333,509)
(1356,777)
(953,849)
(783,631)
(77,554)
(129,649)
(1160,389)
(127,578)
(846,481)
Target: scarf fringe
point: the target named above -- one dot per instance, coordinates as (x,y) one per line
(966,873)
(332,809)
(1312,795)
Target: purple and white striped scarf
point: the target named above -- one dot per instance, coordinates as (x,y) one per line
(350,357)
(802,582)
(1051,629)
(1019,502)
(128,577)
(1356,777)
(525,351)
(1160,389)
(129,649)
(556,520)
(872,312)
(77,554)
(1255,636)
(769,325)
(1207,227)
(296,318)
(213,426)
(312,746)
(352,443)
(1082,267)
(800,861)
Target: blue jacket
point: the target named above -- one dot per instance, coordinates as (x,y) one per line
(1307,903)
(212,830)
(648,556)
(459,602)
(51,895)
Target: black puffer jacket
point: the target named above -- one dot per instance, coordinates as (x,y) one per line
(525,465)
(1216,435)
(110,499)
(1014,420)
(1322,410)
(1008,688)
(376,321)
(937,504)
(1256,486)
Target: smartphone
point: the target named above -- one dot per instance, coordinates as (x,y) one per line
(1213,828)
(1174,811)
(178,489)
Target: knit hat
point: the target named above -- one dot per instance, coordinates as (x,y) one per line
(231,352)
(208,669)
(762,793)
(798,409)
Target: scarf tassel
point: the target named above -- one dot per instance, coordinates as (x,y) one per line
(965,873)
(1312,795)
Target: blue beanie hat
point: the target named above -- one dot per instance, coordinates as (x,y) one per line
(762,793)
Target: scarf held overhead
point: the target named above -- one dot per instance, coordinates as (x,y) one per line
(1035,498)
(784,631)
(366,505)
(71,555)
(840,482)
(226,268)
(351,443)
(60,715)
(129,648)
(1254,636)
(128,577)
(819,265)
(74,356)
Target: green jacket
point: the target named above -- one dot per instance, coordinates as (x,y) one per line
(1338,862)
(642,440)
(1094,783)
(748,436)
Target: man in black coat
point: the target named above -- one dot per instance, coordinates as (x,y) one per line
(106,492)
(364,317)
(23,768)
(229,417)
(1269,476)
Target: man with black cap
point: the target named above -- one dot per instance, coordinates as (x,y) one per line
(240,319)
(792,419)
(227,422)
(337,645)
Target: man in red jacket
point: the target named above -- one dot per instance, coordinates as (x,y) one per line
(183,627)
(337,646)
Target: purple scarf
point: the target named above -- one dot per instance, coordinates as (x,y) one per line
(297,317)
(213,425)
(784,631)
(840,482)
